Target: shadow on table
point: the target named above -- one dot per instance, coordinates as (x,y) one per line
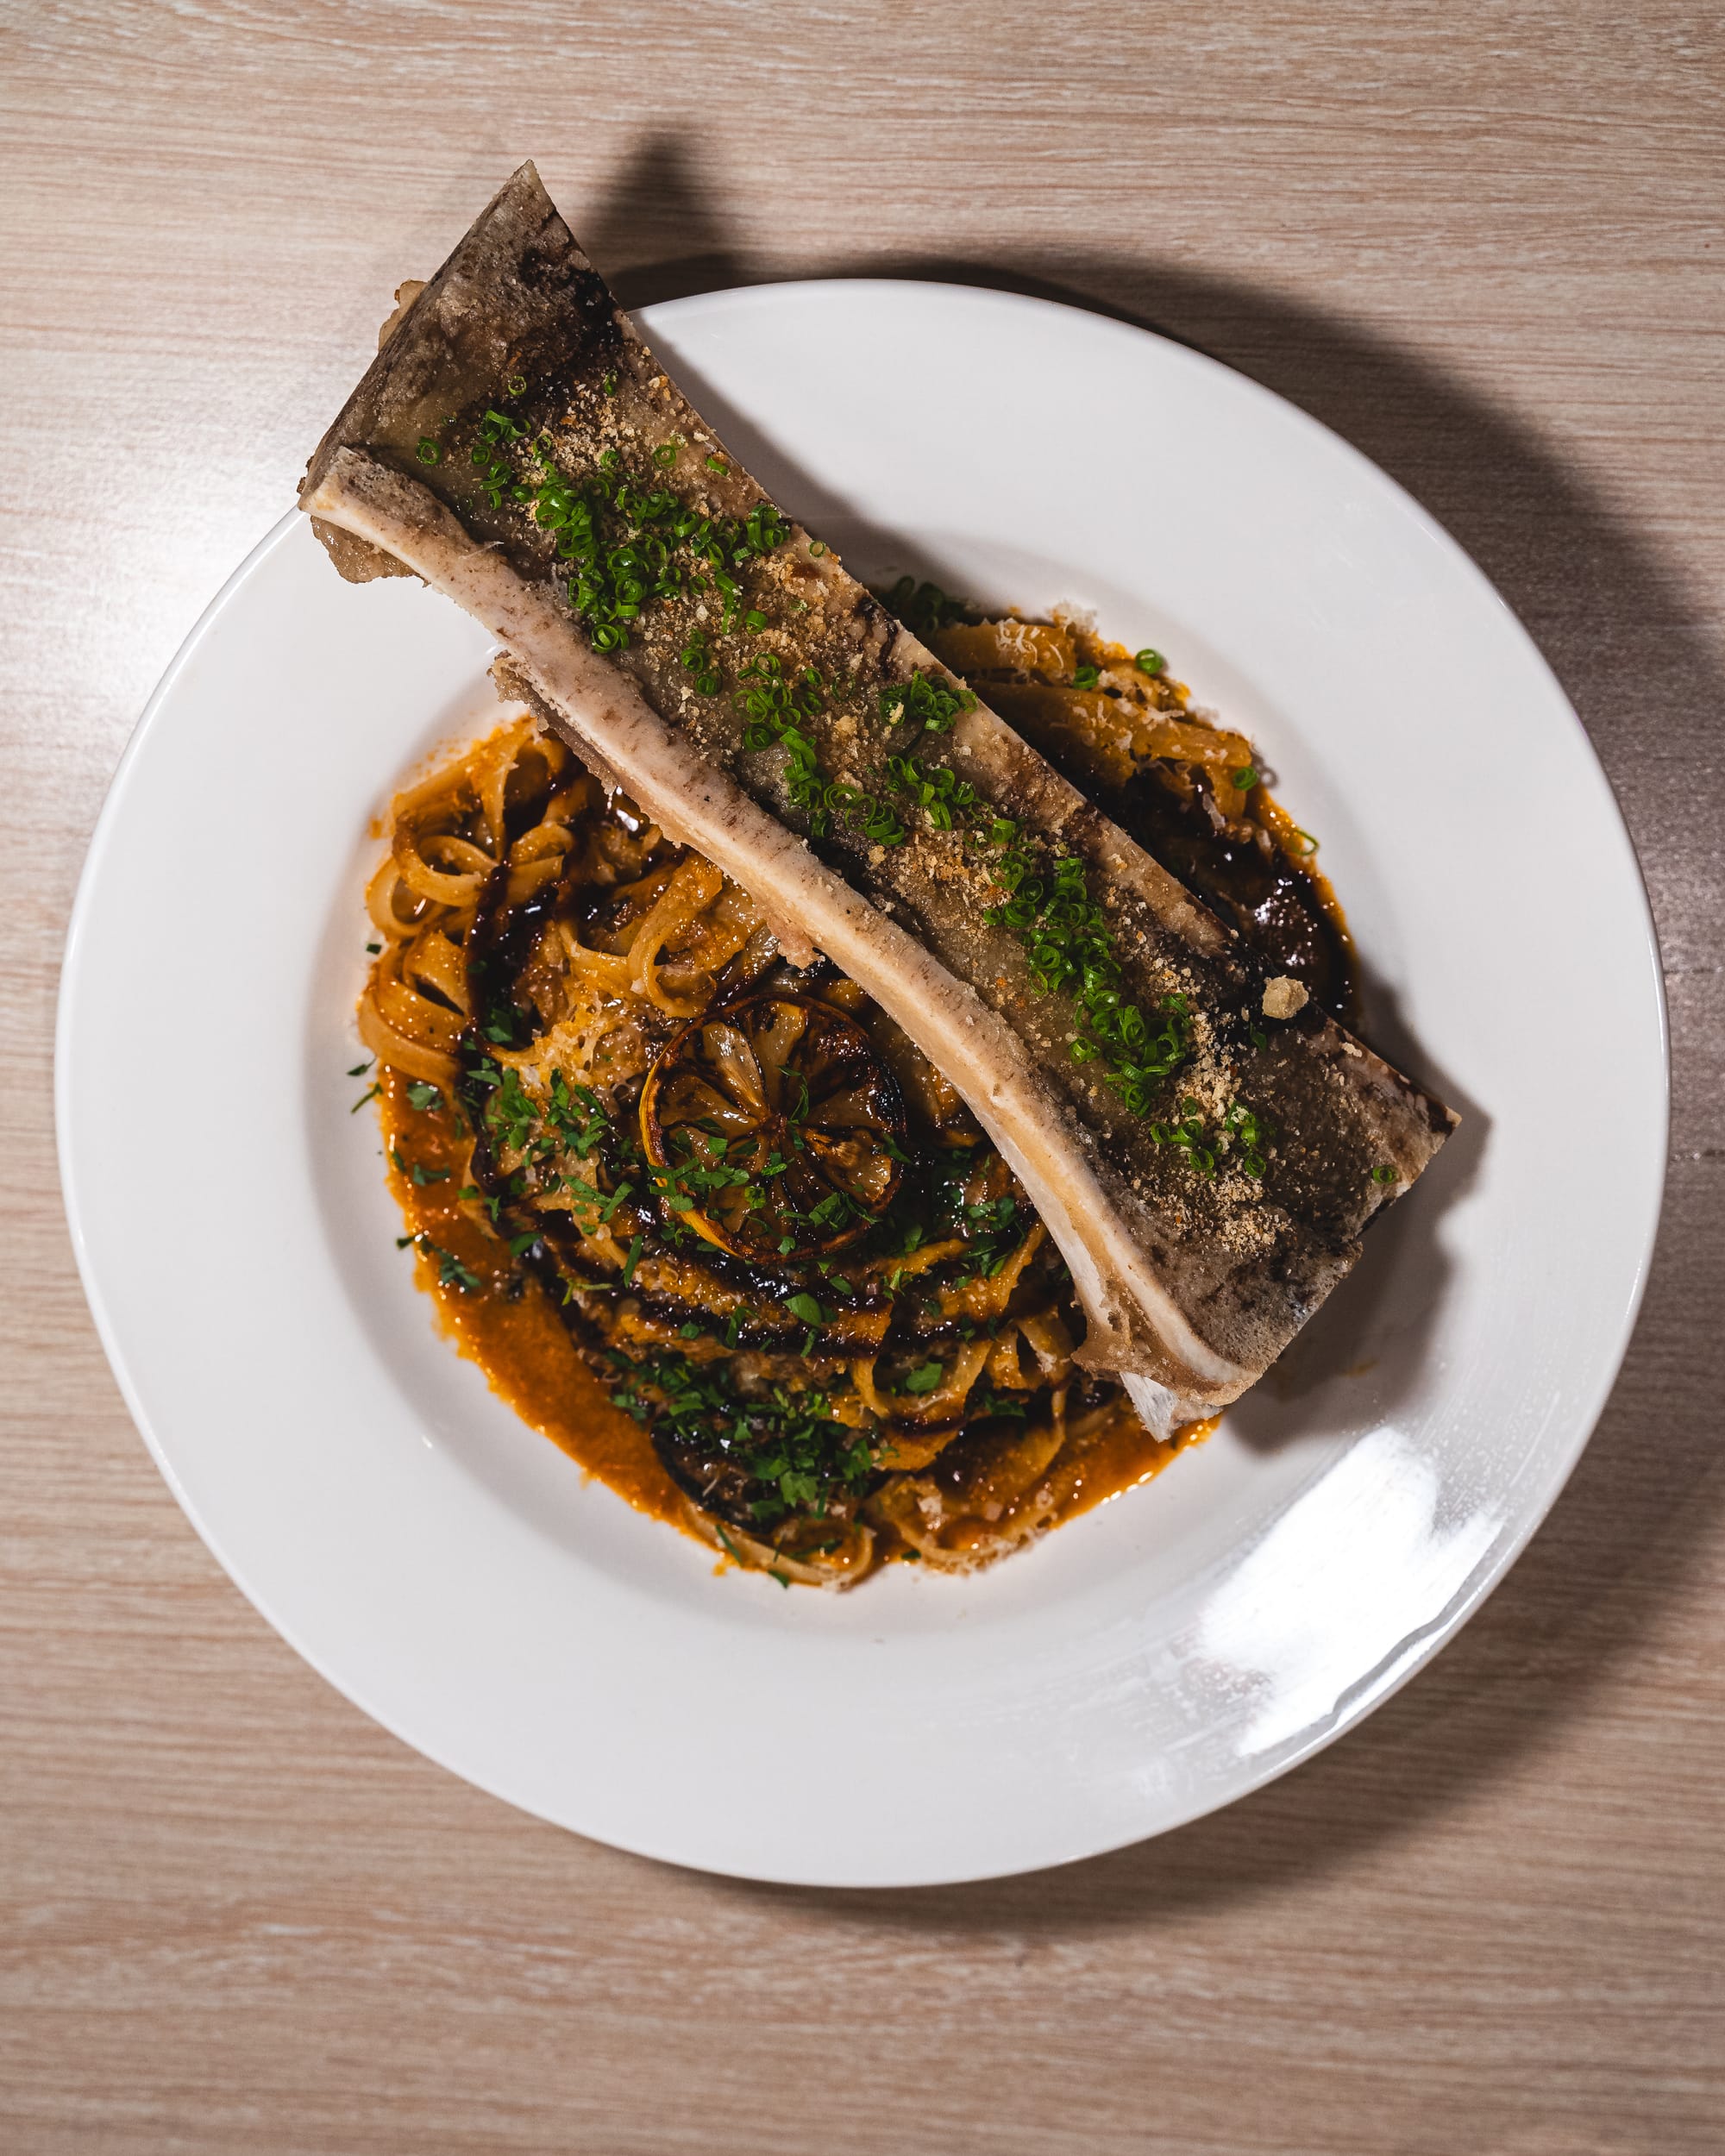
(1623,637)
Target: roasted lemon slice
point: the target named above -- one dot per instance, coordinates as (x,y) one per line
(774,1129)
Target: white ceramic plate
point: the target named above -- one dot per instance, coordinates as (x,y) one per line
(454,1575)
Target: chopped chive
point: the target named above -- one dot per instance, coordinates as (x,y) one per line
(718,465)
(1085,678)
(609,385)
(665,455)
(370,1093)
(1245,777)
(428,451)
(1149,660)
(1384,1174)
(516,385)
(754,619)
(817,548)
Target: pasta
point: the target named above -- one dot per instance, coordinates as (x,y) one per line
(838,1332)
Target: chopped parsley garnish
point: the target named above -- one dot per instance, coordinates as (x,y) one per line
(451,1273)
(421,1095)
(798,1457)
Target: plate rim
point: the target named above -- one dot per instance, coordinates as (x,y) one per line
(1372,1688)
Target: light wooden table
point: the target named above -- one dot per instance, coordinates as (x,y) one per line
(1483,242)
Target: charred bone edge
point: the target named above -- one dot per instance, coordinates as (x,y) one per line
(1136,1328)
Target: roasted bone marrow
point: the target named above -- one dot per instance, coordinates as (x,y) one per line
(1155,1053)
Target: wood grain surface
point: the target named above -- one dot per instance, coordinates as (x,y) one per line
(1483,242)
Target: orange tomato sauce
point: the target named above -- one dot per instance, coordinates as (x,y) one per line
(531,1363)
(517,1339)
